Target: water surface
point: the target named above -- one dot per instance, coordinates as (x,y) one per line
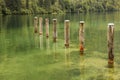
(25,55)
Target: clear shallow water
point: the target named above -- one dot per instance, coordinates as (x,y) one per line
(27,56)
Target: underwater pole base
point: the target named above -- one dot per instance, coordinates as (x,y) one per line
(81,50)
(67,45)
(110,63)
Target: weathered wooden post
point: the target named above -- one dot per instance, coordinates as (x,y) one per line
(81,37)
(41,32)
(55,37)
(47,27)
(67,41)
(54,30)
(67,33)
(40,26)
(110,39)
(35,24)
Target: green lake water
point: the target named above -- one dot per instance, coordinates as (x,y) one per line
(28,56)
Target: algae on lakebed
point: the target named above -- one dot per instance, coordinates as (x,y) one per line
(21,57)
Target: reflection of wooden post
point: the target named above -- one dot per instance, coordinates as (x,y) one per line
(47,27)
(82,68)
(67,39)
(67,56)
(40,25)
(47,46)
(81,37)
(35,24)
(110,74)
(41,41)
(110,38)
(67,33)
(55,54)
(54,30)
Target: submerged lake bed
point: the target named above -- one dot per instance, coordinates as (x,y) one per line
(25,55)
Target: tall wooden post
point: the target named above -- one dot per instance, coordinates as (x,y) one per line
(40,26)
(35,24)
(81,37)
(67,33)
(54,30)
(110,39)
(47,27)
(67,41)
(55,37)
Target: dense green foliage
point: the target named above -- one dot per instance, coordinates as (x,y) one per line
(56,6)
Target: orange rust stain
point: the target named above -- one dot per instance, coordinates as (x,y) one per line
(81,48)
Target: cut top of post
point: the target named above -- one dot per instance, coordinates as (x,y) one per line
(54,19)
(111,25)
(67,23)
(82,22)
(35,18)
(67,20)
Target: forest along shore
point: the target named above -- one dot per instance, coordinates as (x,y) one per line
(56,6)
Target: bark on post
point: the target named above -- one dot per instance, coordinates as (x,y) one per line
(35,24)
(67,33)
(81,37)
(110,38)
(40,26)
(47,27)
(54,30)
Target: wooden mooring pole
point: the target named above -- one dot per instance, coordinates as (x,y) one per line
(40,26)
(55,37)
(35,24)
(81,37)
(54,30)
(110,39)
(47,27)
(67,41)
(67,33)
